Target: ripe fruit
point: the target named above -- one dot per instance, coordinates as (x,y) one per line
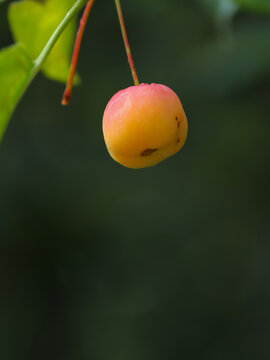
(143,125)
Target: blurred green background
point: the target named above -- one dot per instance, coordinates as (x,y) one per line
(172,262)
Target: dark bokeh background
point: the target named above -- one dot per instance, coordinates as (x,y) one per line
(171,262)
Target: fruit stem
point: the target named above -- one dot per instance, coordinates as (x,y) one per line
(68,90)
(126,42)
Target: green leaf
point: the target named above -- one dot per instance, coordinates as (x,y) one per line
(257,5)
(32,24)
(15,68)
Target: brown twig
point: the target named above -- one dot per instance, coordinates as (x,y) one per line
(68,91)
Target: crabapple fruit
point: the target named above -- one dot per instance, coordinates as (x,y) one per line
(143,125)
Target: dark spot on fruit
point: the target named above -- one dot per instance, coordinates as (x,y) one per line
(148,152)
(178,141)
(178,122)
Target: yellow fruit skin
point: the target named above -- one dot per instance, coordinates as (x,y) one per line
(143,125)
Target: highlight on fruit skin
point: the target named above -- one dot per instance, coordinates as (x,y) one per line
(143,125)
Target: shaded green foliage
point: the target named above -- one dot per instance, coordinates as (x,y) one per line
(232,63)
(258,5)
(172,262)
(221,9)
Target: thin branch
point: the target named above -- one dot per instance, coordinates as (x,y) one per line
(68,91)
